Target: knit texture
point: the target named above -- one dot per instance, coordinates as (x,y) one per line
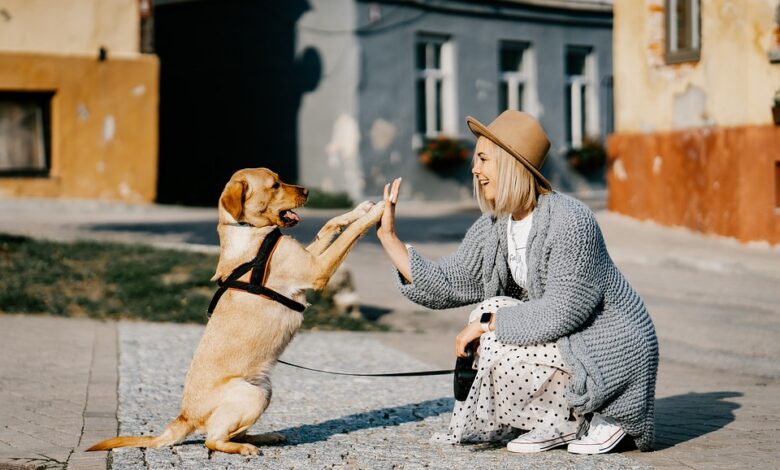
(575,295)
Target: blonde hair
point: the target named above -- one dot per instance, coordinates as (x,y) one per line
(517,188)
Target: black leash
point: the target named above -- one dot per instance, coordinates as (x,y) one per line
(391,374)
(256,284)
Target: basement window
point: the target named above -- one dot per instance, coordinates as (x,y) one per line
(25,133)
(683,37)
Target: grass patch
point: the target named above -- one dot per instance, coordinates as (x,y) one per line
(112,280)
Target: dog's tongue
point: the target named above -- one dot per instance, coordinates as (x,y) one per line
(290,217)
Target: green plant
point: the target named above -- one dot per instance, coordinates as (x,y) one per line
(111,280)
(443,153)
(320,199)
(777,98)
(590,157)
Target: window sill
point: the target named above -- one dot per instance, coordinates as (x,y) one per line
(680,57)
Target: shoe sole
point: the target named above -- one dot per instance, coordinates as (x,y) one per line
(600,447)
(534,447)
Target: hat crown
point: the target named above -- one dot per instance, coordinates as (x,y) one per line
(522,133)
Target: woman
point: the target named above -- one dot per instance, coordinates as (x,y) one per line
(567,350)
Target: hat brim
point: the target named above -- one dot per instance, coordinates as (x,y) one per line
(480,130)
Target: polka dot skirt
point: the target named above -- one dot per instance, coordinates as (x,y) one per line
(520,387)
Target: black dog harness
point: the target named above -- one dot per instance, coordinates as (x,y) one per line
(256,284)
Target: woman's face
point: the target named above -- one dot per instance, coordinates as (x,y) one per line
(486,168)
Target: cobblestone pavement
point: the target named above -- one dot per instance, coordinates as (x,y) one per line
(329,422)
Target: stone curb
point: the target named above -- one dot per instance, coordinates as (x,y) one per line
(100,421)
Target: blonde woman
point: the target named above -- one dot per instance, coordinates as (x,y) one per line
(567,351)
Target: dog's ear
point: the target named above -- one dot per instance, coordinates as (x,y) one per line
(232,199)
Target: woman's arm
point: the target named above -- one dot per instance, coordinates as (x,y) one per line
(450,282)
(394,247)
(573,289)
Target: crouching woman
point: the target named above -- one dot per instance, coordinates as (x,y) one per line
(567,350)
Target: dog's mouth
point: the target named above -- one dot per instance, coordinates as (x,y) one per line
(289,218)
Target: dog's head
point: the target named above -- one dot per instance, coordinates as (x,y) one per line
(257,196)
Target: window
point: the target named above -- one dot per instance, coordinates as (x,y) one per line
(517,69)
(682,31)
(581,95)
(436,113)
(24,133)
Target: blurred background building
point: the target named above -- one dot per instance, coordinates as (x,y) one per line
(696,143)
(78,101)
(344,95)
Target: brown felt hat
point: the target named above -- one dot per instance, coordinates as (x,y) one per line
(519,134)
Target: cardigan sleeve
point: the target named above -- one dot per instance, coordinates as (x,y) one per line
(454,280)
(572,292)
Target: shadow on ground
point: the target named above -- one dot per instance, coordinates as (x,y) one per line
(680,418)
(392,416)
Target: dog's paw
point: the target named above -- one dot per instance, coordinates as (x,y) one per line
(364,207)
(376,211)
(249,449)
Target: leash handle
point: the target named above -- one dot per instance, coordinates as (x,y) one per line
(391,374)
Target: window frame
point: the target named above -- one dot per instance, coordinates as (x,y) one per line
(443,112)
(509,80)
(692,54)
(42,98)
(588,85)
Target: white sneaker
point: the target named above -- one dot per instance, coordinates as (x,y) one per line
(602,436)
(541,439)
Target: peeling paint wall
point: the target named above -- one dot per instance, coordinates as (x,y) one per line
(69,26)
(103,125)
(695,144)
(732,84)
(328,130)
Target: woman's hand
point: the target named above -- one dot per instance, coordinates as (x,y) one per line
(385,231)
(386,226)
(466,336)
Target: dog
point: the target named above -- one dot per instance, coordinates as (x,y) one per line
(227,387)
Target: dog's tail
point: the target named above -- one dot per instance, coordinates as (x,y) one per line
(173,433)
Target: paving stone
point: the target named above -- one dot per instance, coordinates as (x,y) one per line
(328,421)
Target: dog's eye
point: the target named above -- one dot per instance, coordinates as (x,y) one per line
(276,185)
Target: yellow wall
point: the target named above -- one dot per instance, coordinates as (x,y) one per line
(103,120)
(733,83)
(69,26)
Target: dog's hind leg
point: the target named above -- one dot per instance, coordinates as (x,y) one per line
(241,405)
(334,226)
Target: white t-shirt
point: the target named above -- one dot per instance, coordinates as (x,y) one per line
(517,237)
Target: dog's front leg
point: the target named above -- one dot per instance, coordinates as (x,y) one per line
(334,226)
(327,263)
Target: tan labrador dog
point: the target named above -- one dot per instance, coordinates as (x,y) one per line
(228,386)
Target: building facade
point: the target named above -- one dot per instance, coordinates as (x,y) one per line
(695,142)
(396,75)
(78,102)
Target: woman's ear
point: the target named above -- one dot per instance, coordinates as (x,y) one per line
(232,199)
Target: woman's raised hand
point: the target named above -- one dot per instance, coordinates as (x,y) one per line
(385,231)
(386,226)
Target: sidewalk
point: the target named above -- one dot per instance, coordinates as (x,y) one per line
(714,303)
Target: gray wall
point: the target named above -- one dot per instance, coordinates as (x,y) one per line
(365,100)
(328,129)
(387,78)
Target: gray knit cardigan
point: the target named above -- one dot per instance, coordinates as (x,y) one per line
(574,295)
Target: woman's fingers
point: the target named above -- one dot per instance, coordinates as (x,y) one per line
(387,192)
(395,190)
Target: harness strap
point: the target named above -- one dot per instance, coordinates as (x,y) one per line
(256,284)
